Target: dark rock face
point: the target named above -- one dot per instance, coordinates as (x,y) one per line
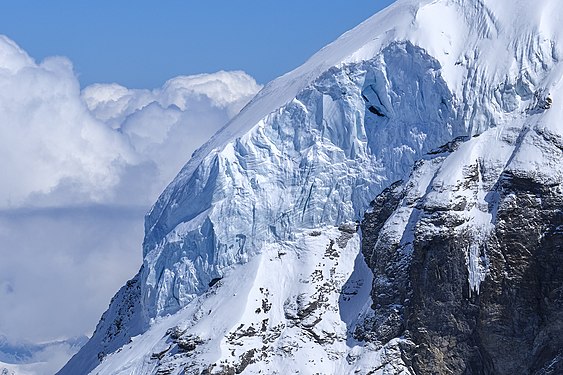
(514,325)
(521,317)
(389,285)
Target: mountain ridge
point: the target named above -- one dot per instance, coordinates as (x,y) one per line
(307,156)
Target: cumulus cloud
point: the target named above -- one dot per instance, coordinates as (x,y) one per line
(163,125)
(79,169)
(48,136)
(59,145)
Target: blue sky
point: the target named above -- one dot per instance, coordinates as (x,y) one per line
(142,43)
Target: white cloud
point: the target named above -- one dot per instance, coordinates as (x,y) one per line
(79,169)
(48,136)
(62,146)
(164,125)
(24,358)
(12,57)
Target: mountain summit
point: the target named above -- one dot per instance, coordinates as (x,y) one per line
(393,206)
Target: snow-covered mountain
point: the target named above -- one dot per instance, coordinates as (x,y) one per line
(444,115)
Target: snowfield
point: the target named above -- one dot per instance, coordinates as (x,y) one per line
(268,207)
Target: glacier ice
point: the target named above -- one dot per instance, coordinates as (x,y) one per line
(318,144)
(318,160)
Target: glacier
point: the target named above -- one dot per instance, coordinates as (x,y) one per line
(318,160)
(263,211)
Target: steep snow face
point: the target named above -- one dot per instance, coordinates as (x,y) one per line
(316,161)
(316,145)
(281,313)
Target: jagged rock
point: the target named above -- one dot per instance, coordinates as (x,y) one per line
(511,322)
(463,255)
(175,332)
(188,343)
(214,281)
(161,354)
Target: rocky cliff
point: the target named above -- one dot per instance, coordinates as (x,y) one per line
(252,261)
(470,296)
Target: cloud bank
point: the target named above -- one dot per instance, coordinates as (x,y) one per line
(60,145)
(24,358)
(79,170)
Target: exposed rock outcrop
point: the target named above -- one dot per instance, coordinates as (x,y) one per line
(506,320)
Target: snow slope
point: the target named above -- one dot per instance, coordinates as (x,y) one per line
(274,297)
(307,151)
(310,151)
